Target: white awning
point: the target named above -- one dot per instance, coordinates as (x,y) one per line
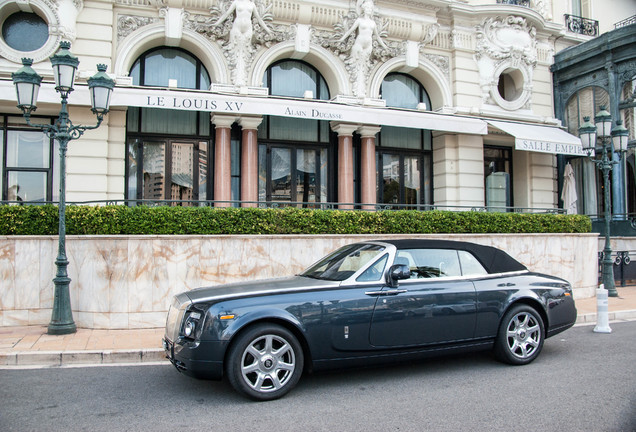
(238,105)
(544,139)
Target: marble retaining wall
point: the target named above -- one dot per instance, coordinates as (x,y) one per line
(127,281)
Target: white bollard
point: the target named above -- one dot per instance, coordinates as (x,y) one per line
(602,313)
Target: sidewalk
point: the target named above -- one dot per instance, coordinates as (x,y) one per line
(32,347)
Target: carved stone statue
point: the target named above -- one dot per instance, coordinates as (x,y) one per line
(359,60)
(239,46)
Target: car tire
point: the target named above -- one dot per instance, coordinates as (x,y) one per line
(265,362)
(521,335)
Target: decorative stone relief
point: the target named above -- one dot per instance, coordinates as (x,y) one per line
(544,7)
(442,62)
(506,55)
(126,24)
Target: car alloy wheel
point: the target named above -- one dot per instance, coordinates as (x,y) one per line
(265,362)
(520,337)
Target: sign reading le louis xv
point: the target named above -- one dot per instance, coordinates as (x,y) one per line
(238,106)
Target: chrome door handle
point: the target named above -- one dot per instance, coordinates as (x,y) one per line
(386,292)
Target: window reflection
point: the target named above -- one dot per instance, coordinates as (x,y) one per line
(27,186)
(182,176)
(154,170)
(281,174)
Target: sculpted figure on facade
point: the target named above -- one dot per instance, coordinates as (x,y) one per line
(239,48)
(368,31)
(506,45)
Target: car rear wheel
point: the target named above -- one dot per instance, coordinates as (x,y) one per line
(520,336)
(265,362)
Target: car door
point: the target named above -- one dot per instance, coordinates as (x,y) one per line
(436,305)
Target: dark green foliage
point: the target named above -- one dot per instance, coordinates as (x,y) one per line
(111,220)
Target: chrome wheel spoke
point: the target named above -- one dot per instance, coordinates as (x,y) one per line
(254,367)
(258,383)
(269,344)
(289,367)
(280,352)
(276,381)
(251,350)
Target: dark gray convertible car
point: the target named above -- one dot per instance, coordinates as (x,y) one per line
(366,303)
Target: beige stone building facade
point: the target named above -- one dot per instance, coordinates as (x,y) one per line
(403,103)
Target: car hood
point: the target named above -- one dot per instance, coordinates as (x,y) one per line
(258,288)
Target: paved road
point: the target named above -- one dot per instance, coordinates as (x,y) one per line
(581,382)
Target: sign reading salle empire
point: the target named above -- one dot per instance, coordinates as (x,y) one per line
(549,147)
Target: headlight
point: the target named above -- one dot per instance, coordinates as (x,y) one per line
(191,323)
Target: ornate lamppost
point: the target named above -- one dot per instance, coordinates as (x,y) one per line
(589,133)
(27,85)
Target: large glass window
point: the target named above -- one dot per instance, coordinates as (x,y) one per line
(404,163)
(293,152)
(27,161)
(168,154)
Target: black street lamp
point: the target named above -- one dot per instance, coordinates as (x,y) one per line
(589,132)
(27,85)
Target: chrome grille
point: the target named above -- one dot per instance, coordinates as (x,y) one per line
(175,316)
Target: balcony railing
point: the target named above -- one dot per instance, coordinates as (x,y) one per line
(525,3)
(626,22)
(580,25)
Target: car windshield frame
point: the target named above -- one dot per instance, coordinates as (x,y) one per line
(345,262)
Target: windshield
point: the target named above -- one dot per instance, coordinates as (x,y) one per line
(344,262)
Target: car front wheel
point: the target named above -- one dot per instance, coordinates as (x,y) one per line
(265,362)
(520,336)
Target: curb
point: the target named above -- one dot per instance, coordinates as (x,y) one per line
(66,358)
(590,318)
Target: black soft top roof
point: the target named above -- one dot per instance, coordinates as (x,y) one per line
(494,260)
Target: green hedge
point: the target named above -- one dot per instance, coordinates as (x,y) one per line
(105,220)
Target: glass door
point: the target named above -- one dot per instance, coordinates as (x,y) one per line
(294,175)
(176,171)
(400,179)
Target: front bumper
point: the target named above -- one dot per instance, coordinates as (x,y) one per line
(201,359)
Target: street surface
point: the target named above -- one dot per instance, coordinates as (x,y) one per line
(582,381)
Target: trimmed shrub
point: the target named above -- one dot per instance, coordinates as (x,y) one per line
(144,220)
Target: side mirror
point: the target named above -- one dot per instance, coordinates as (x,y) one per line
(397,272)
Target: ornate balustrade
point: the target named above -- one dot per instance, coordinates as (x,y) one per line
(580,25)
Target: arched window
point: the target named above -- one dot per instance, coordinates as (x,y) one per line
(168,150)
(293,152)
(404,160)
